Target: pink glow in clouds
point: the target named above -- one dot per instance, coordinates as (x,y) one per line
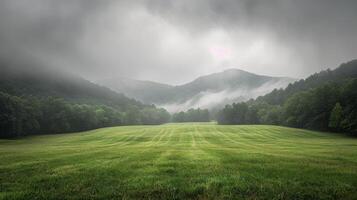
(221,53)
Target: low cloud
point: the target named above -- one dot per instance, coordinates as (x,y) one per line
(217,99)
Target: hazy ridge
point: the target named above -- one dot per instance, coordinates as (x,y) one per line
(210,91)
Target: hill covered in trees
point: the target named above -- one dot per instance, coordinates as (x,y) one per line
(324,101)
(39,101)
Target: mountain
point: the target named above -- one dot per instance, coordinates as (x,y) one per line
(210,91)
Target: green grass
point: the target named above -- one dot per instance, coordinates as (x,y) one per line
(180,161)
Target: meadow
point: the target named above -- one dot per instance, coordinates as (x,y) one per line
(181,161)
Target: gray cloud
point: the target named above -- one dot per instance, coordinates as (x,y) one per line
(175,41)
(320,33)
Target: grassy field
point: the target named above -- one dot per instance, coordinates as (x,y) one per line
(180,161)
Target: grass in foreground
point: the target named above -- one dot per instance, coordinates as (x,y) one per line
(180,161)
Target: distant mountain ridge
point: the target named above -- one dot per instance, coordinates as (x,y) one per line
(209,91)
(145,91)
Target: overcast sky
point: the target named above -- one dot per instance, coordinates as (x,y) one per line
(174,41)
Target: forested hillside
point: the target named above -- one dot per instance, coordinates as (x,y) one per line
(343,72)
(56,102)
(324,101)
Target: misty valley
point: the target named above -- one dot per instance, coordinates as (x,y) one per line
(225,147)
(167,99)
(57,102)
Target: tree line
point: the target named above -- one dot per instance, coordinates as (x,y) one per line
(329,107)
(31,115)
(192,115)
(20,116)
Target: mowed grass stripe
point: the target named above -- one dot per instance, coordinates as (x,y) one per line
(241,139)
(181,161)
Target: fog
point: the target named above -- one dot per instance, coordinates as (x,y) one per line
(176,41)
(218,99)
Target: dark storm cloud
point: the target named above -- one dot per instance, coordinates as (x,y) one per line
(41,29)
(175,41)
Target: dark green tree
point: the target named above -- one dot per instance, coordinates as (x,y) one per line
(336,117)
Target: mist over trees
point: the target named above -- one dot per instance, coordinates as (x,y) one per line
(325,101)
(210,91)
